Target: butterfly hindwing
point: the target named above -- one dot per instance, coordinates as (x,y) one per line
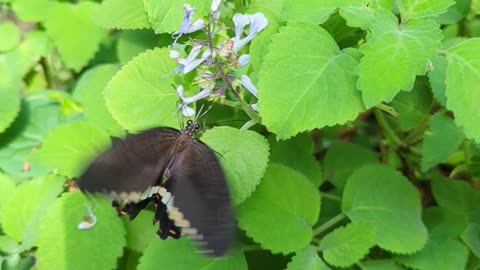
(130,166)
(201,199)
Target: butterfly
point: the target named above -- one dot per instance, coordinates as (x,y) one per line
(179,174)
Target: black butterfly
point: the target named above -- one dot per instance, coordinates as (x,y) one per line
(179,173)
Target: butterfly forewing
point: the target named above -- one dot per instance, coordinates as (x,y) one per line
(180,174)
(128,168)
(201,203)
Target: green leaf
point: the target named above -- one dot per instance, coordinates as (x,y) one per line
(416,9)
(385,264)
(362,13)
(7,187)
(140,95)
(471,237)
(437,76)
(167,16)
(8,245)
(27,206)
(463,86)
(10,105)
(10,36)
(15,64)
(297,153)
(445,254)
(62,246)
(380,195)
(244,157)
(307,259)
(69,148)
(413,107)
(132,43)
(140,231)
(347,245)
(455,195)
(312,80)
(399,54)
(121,14)
(38,116)
(338,167)
(89,90)
(455,13)
(439,144)
(69,26)
(443,222)
(285,203)
(182,255)
(32,11)
(314,12)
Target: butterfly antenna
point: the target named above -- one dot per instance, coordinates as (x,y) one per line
(202,114)
(199,114)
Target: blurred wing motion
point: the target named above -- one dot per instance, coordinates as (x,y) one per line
(131,166)
(201,204)
(178,173)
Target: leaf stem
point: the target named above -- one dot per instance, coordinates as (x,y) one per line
(419,130)
(327,225)
(387,130)
(248,125)
(330,196)
(388,109)
(229,103)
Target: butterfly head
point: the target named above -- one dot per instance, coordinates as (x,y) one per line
(192,127)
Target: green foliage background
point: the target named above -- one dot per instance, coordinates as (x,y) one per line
(367,155)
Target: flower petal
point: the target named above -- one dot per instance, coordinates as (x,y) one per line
(240,21)
(258,22)
(215,5)
(247,83)
(186,111)
(191,66)
(174,54)
(195,26)
(180,91)
(200,95)
(244,60)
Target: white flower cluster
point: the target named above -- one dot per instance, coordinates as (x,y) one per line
(257,23)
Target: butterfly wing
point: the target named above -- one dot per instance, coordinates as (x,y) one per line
(127,169)
(201,199)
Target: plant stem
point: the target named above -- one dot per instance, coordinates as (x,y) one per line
(248,125)
(327,225)
(238,4)
(330,197)
(248,110)
(419,130)
(388,109)
(229,103)
(387,130)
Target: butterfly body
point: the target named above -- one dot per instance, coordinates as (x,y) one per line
(178,173)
